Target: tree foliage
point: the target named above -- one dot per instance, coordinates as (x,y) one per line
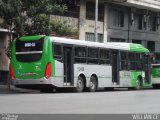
(32,17)
(29,16)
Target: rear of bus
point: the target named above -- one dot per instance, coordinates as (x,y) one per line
(31,65)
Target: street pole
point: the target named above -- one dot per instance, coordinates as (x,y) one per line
(96,19)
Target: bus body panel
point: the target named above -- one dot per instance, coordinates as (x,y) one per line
(156,71)
(125,78)
(58,79)
(155,81)
(103,73)
(155,74)
(155,77)
(134,77)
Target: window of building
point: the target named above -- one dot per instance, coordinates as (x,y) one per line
(151,46)
(152,23)
(90,11)
(140,21)
(117,40)
(136,41)
(118,18)
(80,54)
(104,56)
(91,37)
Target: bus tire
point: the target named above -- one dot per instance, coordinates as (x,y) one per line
(80,84)
(93,84)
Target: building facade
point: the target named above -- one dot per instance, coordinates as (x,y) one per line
(4,60)
(136,21)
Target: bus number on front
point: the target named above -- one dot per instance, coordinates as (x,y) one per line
(30,45)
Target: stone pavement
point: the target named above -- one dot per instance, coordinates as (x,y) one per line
(4,90)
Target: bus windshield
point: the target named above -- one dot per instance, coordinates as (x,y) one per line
(29,51)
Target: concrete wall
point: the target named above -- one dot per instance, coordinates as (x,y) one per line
(71,22)
(4,61)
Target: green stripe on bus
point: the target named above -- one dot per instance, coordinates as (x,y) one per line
(138,48)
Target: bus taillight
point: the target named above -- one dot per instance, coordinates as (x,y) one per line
(12,72)
(48,70)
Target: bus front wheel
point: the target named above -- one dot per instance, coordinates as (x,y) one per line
(80,84)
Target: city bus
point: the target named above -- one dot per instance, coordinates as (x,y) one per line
(155,68)
(46,63)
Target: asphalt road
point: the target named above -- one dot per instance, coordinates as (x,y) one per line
(105,102)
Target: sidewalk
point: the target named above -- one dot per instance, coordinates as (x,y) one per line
(4,90)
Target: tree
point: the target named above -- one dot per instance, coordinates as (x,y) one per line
(38,13)
(9,10)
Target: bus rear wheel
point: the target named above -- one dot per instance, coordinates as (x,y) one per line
(80,84)
(93,84)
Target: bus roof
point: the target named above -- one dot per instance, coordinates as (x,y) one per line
(110,45)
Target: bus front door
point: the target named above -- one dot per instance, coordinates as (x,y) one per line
(147,68)
(68,65)
(115,68)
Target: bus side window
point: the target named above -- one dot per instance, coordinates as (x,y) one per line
(131,61)
(123,60)
(139,63)
(57,52)
(104,56)
(93,55)
(80,54)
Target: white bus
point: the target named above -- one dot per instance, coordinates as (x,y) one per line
(78,64)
